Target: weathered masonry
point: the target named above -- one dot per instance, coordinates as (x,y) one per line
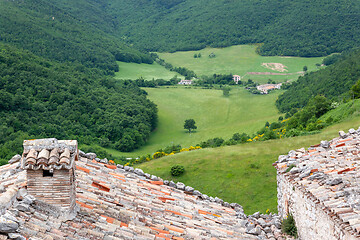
(50,166)
(113,202)
(320,187)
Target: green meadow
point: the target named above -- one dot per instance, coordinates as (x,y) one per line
(215,115)
(147,71)
(241,173)
(238,60)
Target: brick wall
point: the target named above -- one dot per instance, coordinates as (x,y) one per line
(58,190)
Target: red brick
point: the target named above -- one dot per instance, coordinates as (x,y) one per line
(122,224)
(175,229)
(101,186)
(340,145)
(84,205)
(157,182)
(83,169)
(108,219)
(110,166)
(346,170)
(204,212)
(164,199)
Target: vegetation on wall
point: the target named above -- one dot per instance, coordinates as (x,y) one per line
(40,98)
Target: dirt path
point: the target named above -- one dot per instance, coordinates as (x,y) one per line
(270,73)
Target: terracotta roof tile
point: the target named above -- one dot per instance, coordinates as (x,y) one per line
(115,204)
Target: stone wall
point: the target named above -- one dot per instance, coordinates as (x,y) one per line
(312,221)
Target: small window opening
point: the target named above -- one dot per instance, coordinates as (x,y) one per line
(47,173)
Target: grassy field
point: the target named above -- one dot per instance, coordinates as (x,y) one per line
(241,173)
(147,71)
(238,60)
(215,115)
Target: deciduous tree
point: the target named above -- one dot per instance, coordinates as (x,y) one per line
(190,125)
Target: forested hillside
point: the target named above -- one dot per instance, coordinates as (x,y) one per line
(40,98)
(54,33)
(299,28)
(334,82)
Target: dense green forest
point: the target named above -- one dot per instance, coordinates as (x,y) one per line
(334,82)
(40,98)
(299,28)
(53,33)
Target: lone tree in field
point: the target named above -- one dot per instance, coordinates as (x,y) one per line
(190,124)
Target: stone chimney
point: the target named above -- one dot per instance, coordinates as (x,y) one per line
(50,170)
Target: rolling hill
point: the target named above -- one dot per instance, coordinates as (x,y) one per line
(297,28)
(54,33)
(334,82)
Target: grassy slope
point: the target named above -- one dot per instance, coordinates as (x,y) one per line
(147,71)
(215,115)
(237,60)
(241,173)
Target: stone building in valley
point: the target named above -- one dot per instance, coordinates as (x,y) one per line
(320,187)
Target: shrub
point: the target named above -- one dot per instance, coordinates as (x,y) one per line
(172,148)
(290,167)
(177,170)
(158,155)
(288,226)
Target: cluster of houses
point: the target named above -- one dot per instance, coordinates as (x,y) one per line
(185,82)
(265,88)
(236,79)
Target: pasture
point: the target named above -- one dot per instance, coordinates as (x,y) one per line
(241,173)
(215,115)
(147,71)
(239,60)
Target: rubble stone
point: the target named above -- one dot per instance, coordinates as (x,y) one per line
(342,134)
(139,172)
(334,181)
(7,226)
(180,186)
(15,159)
(189,189)
(16,236)
(90,155)
(325,144)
